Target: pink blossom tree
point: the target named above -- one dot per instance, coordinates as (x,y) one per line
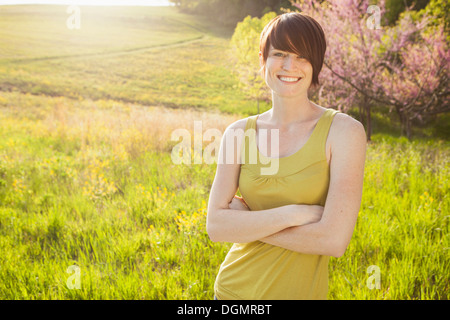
(415,72)
(405,67)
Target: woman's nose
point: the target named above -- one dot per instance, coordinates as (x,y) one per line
(288,63)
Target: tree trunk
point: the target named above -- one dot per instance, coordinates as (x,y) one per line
(408,127)
(361,119)
(401,117)
(405,122)
(368,118)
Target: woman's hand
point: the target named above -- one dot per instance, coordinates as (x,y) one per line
(305,214)
(301,214)
(315,212)
(238,203)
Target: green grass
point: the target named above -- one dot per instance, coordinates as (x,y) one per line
(402,226)
(102,30)
(87,180)
(151,56)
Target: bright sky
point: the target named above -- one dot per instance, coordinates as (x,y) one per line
(93,2)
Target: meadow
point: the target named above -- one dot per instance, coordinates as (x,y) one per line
(92,205)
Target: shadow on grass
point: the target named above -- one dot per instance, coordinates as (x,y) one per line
(385,122)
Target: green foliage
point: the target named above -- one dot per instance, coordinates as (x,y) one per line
(394,8)
(438,10)
(246,36)
(229,12)
(245,44)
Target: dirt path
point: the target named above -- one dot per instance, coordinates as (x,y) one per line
(114,53)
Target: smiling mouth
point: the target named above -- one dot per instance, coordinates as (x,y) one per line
(289,79)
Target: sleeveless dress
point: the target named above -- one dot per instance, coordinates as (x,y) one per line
(260,271)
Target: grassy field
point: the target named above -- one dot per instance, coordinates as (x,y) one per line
(87,182)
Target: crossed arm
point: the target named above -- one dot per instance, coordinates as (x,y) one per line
(307,229)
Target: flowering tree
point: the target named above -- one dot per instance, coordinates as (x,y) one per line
(405,67)
(415,71)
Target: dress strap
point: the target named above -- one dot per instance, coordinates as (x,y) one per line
(251,122)
(248,149)
(323,126)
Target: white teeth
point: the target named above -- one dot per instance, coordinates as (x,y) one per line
(289,79)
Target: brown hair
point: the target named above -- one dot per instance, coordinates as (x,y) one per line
(298,33)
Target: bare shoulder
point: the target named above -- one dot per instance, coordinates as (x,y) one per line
(345,128)
(348,144)
(239,124)
(236,129)
(232,140)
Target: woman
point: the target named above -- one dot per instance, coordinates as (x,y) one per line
(288,222)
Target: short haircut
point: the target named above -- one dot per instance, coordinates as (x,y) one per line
(298,33)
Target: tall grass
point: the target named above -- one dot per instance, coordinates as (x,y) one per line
(403,224)
(106,198)
(95,187)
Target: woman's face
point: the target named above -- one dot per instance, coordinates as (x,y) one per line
(286,73)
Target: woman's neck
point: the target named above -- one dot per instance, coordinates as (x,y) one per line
(288,111)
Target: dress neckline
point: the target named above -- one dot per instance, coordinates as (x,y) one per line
(312,135)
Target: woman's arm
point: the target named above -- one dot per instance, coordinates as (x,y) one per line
(230,225)
(332,234)
(310,213)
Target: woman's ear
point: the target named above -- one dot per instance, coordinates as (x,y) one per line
(262,65)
